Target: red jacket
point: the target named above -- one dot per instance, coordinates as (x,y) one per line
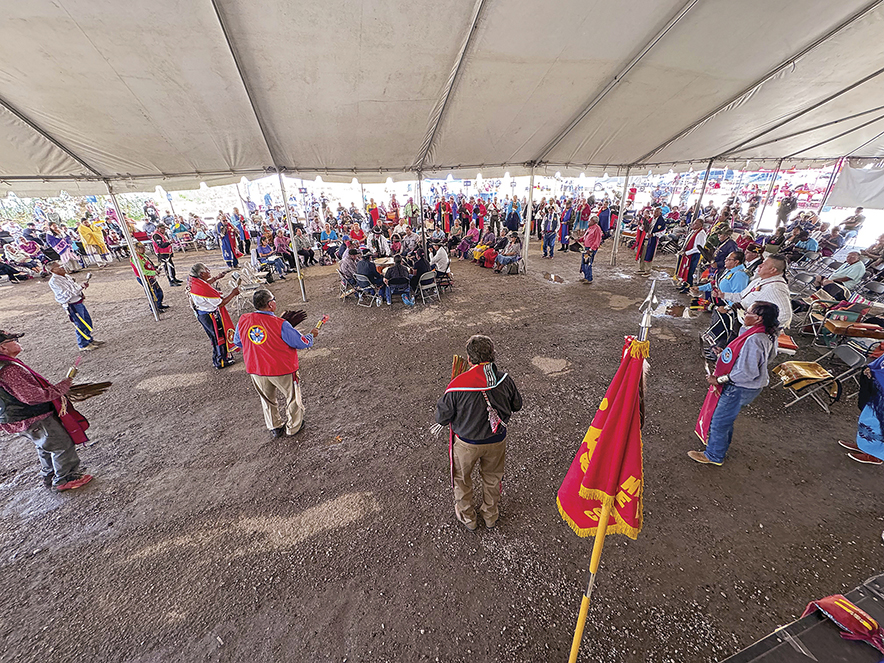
(264,351)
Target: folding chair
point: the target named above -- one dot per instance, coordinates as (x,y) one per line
(805,379)
(366,291)
(874,290)
(803,280)
(444,281)
(400,286)
(829,265)
(804,262)
(348,287)
(247,280)
(428,287)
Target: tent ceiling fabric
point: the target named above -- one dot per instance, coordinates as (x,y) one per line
(148,93)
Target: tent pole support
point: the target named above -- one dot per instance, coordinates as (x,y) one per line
(620,217)
(615,80)
(291,226)
(529,220)
(699,202)
(28,121)
(770,189)
(130,242)
(448,91)
(420,206)
(764,79)
(835,171)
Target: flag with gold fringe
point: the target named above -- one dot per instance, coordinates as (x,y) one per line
(608,465)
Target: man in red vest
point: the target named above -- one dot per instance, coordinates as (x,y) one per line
(270,350)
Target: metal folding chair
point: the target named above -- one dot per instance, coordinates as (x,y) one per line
(804,280)
(827,391)
(874,289)
(366,291)
(348,287)
(428,287)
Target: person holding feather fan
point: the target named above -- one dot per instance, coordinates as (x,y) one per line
(270,347)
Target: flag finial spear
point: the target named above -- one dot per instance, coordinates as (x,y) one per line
(647,307)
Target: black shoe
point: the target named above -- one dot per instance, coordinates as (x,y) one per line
(47,480)
(278,432)
(163,307)
(178,281)
(175,284)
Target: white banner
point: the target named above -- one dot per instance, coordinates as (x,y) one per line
(858,187)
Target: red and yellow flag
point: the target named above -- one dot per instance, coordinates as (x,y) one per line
(608,465)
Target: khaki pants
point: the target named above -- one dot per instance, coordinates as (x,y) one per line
(490,458)
(267,388)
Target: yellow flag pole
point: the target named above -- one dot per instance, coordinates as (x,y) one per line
(597,546)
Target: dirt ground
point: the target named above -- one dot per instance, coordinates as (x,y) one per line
(202,538)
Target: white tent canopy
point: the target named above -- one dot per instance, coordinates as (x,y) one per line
(172,93)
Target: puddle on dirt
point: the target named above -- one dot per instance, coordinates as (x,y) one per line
(669,308)
(555,278)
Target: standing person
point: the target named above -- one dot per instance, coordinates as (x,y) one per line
(869,445)
(477,405)
(550,230)
(690,256)
(59,242)
(740,375)
(93,241)
(592,240)
(567,217)
(373,212)
(648,238)
(227,239)
(70,295)
(210,307)
(31,406)
(270,351)
(162,246)
(150,273)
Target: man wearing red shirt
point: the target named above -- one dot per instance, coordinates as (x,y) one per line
(32,407)
(270,350)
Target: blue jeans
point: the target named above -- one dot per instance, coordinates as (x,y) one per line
(155,290)
(721,428)
(549,242)
(692,267)
(78,314)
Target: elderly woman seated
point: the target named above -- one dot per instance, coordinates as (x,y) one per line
(489,239)
(266,256)
(511,253)
(21,260)
(468,242)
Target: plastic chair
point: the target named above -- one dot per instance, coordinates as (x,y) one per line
(428,287)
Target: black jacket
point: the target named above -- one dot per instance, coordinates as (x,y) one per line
(467,411)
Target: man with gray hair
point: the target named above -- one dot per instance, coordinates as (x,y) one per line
(477,405)
(270,351)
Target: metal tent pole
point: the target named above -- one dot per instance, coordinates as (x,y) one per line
(420,207)
(130,242)
(288,218)
(699,202)
(529,220)
(620,217)
(829,186)
(767,197)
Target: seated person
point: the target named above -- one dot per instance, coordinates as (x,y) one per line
(21,260)
(266,256)
(395,244)
(488,257)
(489,239)
(726,246)
(775,242)
(369,270)
(348,265)
(468,242)
(830,244)
(378,244)
(284,249)
(14,274)
(410,241)
(732,280)
(875,252)
(438,235)
(397,279)
(840,283)
(510,254)
(328,235)
(32,249)
(420,267)
(357,234)
(803,243)
(439,259)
